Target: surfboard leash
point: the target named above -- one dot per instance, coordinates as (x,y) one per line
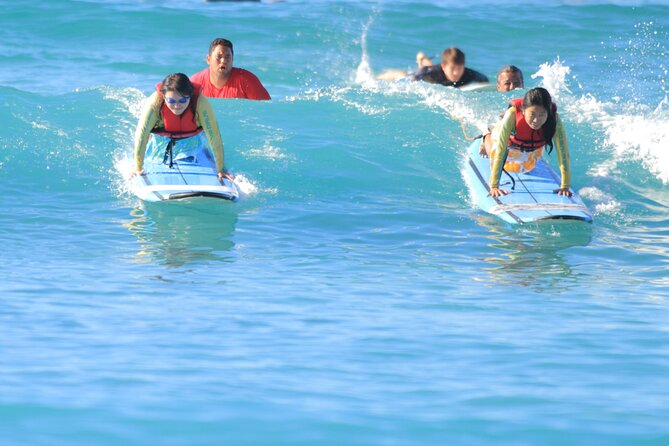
(464,131)
(169,153)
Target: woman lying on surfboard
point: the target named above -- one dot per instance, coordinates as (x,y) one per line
(177,110)
(518,140)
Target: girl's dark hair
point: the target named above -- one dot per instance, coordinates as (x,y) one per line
(541,96)
(180,83)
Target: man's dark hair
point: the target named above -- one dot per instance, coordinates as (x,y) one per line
(223,42)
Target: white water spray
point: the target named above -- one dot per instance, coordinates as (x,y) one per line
(364,75)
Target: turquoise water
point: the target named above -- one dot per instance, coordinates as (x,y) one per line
(354,295)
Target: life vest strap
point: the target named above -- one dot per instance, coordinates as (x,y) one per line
(175,135)
(524,149)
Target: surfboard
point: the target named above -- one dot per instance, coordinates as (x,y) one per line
(192,174)
(532,199)
(478,86)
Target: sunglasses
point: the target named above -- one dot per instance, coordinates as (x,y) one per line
(180,101)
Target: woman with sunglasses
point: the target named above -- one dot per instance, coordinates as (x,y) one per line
(177,110)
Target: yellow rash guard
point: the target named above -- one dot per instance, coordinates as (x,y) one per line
(518,161)
(151,119)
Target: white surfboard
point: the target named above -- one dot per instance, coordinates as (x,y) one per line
(532,199)
(188,177)
(478,86)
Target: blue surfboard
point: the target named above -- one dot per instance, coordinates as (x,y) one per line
(533,198)
(189,173)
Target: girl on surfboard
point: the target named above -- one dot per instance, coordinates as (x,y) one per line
(518,140)
(178,111)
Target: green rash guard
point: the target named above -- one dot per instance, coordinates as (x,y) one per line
(508,125)
(204,117)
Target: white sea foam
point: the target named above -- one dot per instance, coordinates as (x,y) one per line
(610,208)
(269,152)
(554,78)
(132,98)
(37,125)
(632,132)
(642,138)
(125,166)
(343,95)
(604,202)
(364,75)
(247,187)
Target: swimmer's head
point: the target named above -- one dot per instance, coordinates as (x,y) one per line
(453,63)
(509,77)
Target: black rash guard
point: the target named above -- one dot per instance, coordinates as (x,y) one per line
(435,75)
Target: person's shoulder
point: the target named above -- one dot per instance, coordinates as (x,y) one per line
(433,73)
(203,104)
(200,76)
(434,69)
(419,73)
(244,73)
(200,73)
(250,84)
(154,100)
(509,115)
(476,76)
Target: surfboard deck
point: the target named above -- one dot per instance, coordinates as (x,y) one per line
(533,198)
(184,180)
(478,86)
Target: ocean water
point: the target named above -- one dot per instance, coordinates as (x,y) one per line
(355,295)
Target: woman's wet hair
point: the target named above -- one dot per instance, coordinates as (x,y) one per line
(179,83)
(541,97)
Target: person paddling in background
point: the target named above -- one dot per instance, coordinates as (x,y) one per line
(451,72)
(518,140)
(393,74)
(423,60)
(509,77)
(177,110)
(222,80)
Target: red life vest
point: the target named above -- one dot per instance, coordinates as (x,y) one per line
(525,137)
(182,126)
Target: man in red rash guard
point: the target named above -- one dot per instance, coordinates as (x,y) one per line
(222,80)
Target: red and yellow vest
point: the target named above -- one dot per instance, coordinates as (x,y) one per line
(525,137)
